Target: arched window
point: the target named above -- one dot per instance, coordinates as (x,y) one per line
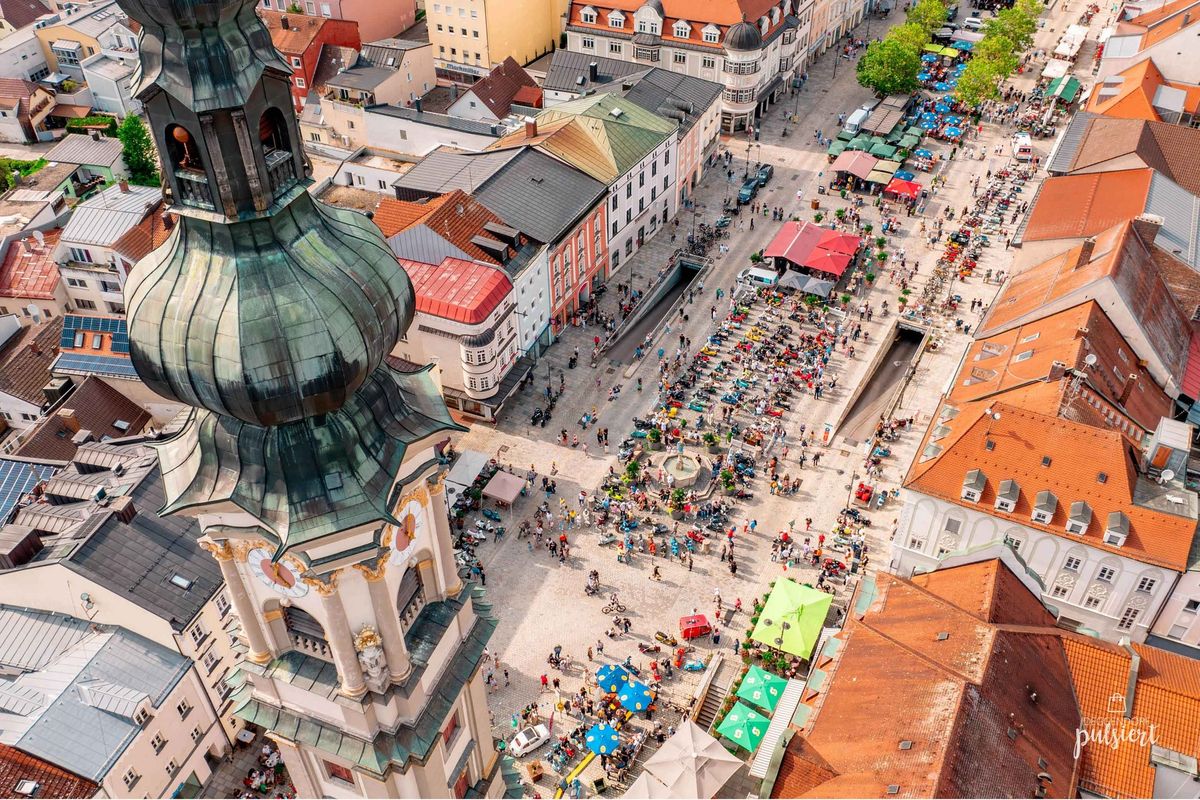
(410,598)
(305,632)
(187,167)
(277,150)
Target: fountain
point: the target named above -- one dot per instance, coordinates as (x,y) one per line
(683,468)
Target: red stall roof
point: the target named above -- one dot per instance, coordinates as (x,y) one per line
(828,262)
(458,290)
(795,241)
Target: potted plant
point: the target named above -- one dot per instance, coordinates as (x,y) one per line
(726,477)
(678,498)
(870,278)
(881,256)
(654,438)
(756,257)
(867,228)
(817,217)
(844,192)
(881,242)
(840,214)
(713,443)
(845,299)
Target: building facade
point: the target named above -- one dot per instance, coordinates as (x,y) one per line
(375,20)
(302,38)
(470,37)
(337,556)
(755,51)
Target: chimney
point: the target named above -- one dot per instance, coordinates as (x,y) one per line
(530,127)
(35,348)
(124,508)
(1127,389)
(1085,252)
(67,417)
(123,185)
(1147,226)
(167,220)
(283,23)
(95,136)
(417,105)
(593,69)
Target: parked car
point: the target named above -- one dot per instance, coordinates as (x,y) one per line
(749,190)
(973,24)
(765,173)
(951,13)
(528,740)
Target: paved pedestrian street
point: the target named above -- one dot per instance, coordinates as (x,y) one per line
(542,602)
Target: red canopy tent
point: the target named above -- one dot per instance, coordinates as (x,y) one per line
(902,188)
(694,626)
(840,243)
(794,242)
(827,261)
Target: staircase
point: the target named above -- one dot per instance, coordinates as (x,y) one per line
(712,702)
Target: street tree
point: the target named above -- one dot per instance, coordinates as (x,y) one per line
(138,151)
(928,14)
(890,67)
(1015,25)
(910,34)
(979,81)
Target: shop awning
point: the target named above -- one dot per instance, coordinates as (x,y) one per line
(1056,68)
(879,176)
(855,162)
(464,472)
(883,150)
(902,188)
(1065,88)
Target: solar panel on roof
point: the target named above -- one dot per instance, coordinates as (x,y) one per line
(95,365)
(17,478)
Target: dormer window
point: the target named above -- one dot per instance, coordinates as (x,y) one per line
(712,34)
(1044,508)
(1006,497)
(764,25)
(588,15)
(1080,518)
(973,486)
(1117,529)
(616,20)
(681,30)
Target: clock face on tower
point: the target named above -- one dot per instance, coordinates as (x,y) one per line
(278,576)
(412,525)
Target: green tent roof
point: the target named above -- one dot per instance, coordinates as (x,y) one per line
(859,143)
(744,726)
(1066,88)
(762,688)
(792,618)
(883,150)
(836,148)
(908,141)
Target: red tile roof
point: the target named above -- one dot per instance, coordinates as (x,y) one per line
(31,272)
(16,766)
(96,406)
(456,216)
(1135,93)
(302,30)
(458,290)
(28,370)
(499,88)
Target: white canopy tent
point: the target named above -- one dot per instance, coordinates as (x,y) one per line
(504,487)
(1055,68)
(646,787)
(464,472)
(692,764)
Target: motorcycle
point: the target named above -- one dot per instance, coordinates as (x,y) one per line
(538,416)
(666,638)
(649,648)
(492,514)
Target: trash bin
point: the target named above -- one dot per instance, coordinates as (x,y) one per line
(816,203)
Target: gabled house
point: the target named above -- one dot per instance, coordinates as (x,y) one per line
(491,98)
(1141,91)
(301,38)
(24,107)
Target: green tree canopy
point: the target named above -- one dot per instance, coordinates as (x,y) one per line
(138,151)
(1013,24)
(979,81)
(1000,52)
(928,14)
(910,34)
(890,67)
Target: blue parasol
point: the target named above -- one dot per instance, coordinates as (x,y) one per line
(922,76)
(602,739)
(953,120)
(635,696)
(953,133)
(923,153)
(942,108)
(928,124)
(611,678)
(929,58)
(904,175)
(942,86)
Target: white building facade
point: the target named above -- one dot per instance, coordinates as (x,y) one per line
(642,201)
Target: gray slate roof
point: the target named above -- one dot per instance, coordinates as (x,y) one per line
(57,722)
(79,148)
(1068,144)
(1178,209)
(567,68)
(445,170)
(540,195)
(137,559)
(668,94)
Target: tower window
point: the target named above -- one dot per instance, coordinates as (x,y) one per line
(191,179)
(277,151)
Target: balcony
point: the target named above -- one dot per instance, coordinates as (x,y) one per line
(281,170)
(310,645)
(193,188)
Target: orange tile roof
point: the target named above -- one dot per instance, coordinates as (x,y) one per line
(455,216)
(498,89)
(697,12)
(1069,206)
(801,771)
(1038,354)
(987,590)
(1121,268)
(1134,98)
(1166,696)
(301,32)
(31,272)
(457,290)
(917,669)
(16,766)
(140,240)
(27,362)
(1165,21)
(97,406)
(1035,451)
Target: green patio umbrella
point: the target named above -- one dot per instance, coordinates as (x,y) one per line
(883,150)
(762,688)
(792,618)
(875,140)
(915,130)
(859,143)
(836,148)
(908,142)
(845,135)
(744,726)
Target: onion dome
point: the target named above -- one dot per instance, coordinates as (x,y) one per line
(268,320)
(207,54)
(657,6)
(743,37)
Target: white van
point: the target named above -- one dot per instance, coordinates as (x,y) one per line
(757,276)
(1022,147)
(858,116)
(973,24)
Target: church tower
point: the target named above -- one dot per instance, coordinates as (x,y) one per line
(307,460)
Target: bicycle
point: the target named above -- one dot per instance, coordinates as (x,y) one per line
(614,608)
